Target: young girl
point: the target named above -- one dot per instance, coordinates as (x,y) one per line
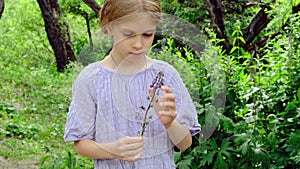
(110,97)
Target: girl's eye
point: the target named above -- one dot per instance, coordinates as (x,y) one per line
(128,34)
(148,34)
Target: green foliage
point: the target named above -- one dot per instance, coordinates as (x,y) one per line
(259,126)
(34,96)
(211,151)
(66,161)
(185,162)
(76,12)
(193,11)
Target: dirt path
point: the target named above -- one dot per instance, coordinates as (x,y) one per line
(7,164)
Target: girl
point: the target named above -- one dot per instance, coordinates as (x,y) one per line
(110,97)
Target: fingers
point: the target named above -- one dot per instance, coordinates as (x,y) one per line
(130,148)
(132,152)
(166,89)
(132,159)
(167,104)
(166,101)
(168,96)
(132,144)
(170,114)
(167,116)
(130,140)
(150,89)
(165,107)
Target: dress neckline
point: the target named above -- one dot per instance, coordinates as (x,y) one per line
(154,61)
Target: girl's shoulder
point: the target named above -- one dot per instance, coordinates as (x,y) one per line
(165,67)
(89,69)
(90,72)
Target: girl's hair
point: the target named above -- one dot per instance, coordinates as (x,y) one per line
(115,9)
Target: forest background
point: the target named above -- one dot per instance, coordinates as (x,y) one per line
(257,44)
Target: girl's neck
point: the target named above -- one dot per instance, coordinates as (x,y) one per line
(126,66)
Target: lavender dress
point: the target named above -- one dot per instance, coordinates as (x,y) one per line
(106,106)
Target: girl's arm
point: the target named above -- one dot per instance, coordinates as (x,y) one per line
(90,148)
(126,149)
(180,135)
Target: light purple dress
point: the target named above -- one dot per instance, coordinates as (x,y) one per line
(106,106)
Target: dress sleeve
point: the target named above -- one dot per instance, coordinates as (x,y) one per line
(186,111)
(82,111)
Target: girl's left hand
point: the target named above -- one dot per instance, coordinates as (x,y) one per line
(165,107)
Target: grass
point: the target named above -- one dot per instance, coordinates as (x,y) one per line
(34,97)
(33,111)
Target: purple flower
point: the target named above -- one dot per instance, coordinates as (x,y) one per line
(138,118)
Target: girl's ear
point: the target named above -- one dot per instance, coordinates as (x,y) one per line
(108,29)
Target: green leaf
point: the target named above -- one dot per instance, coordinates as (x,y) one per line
(242,39)
(186,162)
(233,49)
(179,54)
(177,156)
(234,41)
(244,147)
(234,32)
(207,158)
(220,163)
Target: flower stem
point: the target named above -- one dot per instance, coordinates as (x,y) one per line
(147,110)
(156,85)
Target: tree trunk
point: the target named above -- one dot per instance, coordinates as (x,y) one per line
(215,10)
(57,33)
(96,8)
(263,41)
(93,5)
(1,7)
(86,17)
(296,8)
(259,22)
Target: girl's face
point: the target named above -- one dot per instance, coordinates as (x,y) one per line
(133,36)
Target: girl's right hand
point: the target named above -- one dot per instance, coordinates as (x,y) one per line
(128,148)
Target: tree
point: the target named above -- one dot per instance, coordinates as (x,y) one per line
(1,7)
(76,7)
(93,5)
(215,10)
(96,8)
(258,23)
(57,33)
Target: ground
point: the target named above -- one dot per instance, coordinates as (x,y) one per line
(8,164)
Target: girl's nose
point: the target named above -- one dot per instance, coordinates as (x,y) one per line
(138,42)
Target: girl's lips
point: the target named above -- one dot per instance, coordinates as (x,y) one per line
(136,54)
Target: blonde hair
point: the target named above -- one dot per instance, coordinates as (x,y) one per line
(115,9)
